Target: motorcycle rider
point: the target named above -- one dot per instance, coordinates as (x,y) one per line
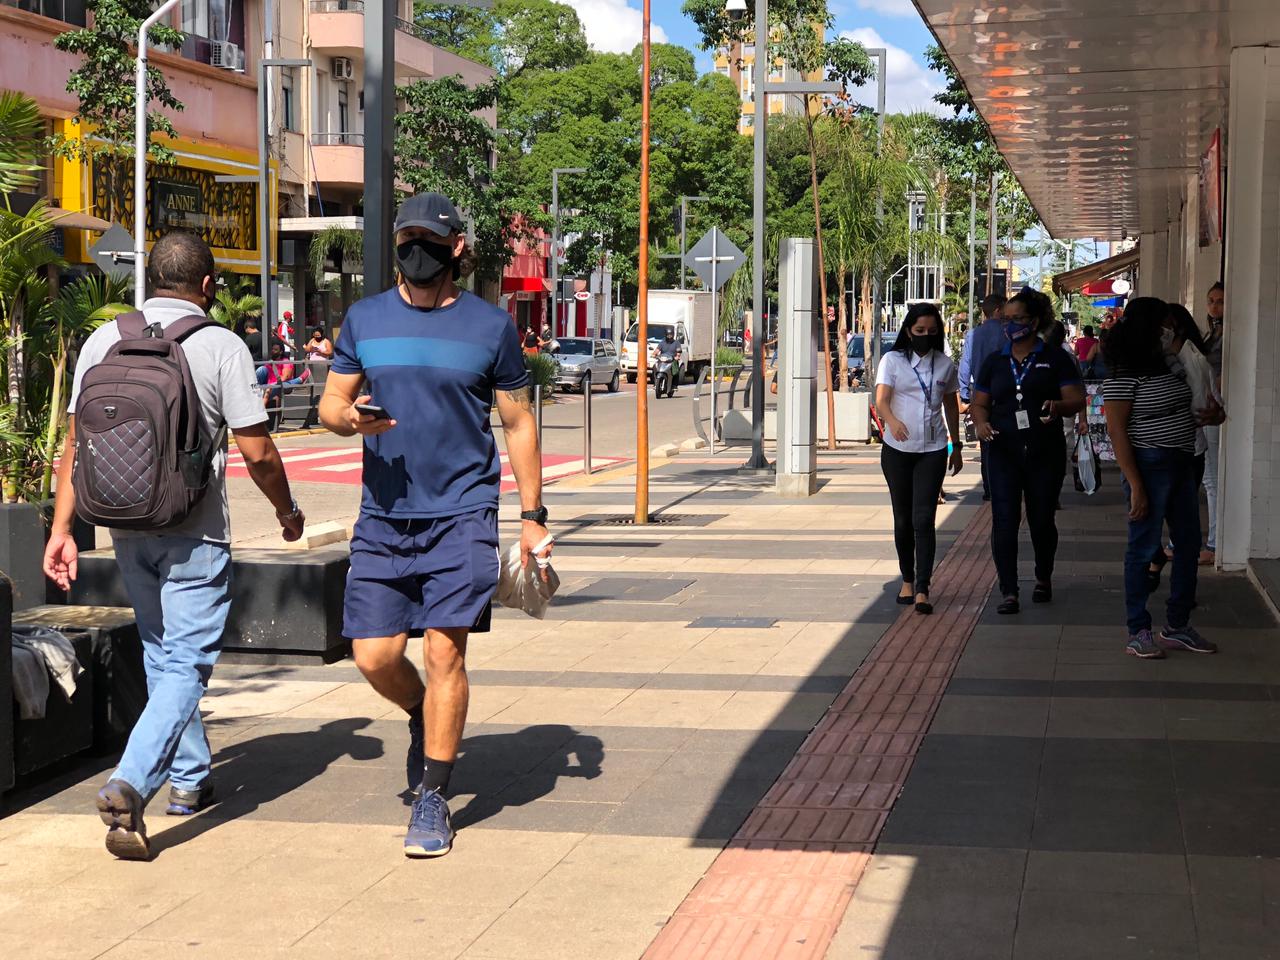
(669,348)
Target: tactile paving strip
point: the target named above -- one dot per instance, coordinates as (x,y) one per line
(780,888)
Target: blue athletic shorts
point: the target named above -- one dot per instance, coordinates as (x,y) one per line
(410,575)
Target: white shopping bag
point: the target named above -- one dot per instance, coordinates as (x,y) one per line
(1087,466)
(522,587)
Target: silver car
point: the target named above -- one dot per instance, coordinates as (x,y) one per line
(583,363)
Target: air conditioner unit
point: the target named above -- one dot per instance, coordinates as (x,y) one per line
(343,69)
(227,56)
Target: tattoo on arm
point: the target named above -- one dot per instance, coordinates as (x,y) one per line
(520,398)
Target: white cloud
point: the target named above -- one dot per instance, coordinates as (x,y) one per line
(613,26)
(889,8)
(911,85)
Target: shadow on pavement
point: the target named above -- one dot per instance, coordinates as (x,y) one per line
(513,769)
(257,771)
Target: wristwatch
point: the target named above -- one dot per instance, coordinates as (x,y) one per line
(292,514)
(538,516)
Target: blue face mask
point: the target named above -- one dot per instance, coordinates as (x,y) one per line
(1016,330)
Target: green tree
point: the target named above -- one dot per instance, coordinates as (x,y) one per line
(234,302)
(103,84)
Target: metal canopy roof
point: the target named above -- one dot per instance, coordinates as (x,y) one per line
(1101,107)
(1081,277)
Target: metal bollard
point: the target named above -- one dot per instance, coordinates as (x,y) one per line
(537,412)
(586,428)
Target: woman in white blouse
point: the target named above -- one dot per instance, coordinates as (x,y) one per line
(916,399)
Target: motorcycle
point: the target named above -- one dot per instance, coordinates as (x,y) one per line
(664,381)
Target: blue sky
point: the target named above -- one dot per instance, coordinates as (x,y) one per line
(894,24)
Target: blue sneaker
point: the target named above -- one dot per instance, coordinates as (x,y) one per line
(183,803)
(430,832)
(1144,646)
(1185,638)
(416,759)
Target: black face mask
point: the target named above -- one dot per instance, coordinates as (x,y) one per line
(421,262)
(921,343)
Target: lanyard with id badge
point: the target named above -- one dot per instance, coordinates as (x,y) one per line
(928,397)
(1021,416)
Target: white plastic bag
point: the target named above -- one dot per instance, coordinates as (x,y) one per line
(522,587)
(1087,466)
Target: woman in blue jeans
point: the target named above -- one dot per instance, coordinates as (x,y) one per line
(1152,424)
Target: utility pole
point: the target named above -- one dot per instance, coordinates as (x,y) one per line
(141,143)
(992,234)
(973,237)
(642,338)
(379,144)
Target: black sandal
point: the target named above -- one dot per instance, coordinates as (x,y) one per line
(1042,593)
(1008,605)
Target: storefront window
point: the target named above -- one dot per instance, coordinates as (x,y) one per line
(68,11)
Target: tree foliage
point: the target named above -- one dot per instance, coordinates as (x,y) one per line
(103,84)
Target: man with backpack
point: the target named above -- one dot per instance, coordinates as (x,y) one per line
(154,393)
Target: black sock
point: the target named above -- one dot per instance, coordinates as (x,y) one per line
(437,775)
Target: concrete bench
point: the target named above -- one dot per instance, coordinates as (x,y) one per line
(67,727)
(115,649)
(283,602)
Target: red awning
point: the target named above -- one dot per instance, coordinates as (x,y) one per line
(524,284)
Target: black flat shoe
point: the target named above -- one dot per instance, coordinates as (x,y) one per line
(924,606)
(905,601)
(1008,605)
(1042,593)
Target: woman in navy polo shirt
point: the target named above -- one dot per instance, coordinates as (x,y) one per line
(1020,396)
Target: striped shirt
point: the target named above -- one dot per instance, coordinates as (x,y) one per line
(1161,416)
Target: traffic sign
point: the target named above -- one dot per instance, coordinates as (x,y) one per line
(715,258)
(105,252)
(582,295)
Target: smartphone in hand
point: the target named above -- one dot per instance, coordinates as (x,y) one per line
(372,410)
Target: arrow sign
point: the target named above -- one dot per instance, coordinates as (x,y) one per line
(715,258)
(106,252)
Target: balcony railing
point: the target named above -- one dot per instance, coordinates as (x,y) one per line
(337,139)
(334,6)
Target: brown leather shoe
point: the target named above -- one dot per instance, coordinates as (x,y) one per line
(1207,557)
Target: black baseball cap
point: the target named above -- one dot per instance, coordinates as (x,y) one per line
(432,211)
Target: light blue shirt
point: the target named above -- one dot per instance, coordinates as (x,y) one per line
(979,343)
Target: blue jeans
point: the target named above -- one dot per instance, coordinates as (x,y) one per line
(1169,478)
(180,589)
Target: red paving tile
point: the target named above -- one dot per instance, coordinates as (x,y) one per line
(779,889)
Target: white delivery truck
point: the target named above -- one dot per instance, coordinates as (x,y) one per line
(685,312)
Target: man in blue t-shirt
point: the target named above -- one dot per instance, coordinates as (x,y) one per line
(416,371)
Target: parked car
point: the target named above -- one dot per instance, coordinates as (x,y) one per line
(582,363)
(857,356)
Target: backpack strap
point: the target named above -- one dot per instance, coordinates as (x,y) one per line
(179,330)
(132,325)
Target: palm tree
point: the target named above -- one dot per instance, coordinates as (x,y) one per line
(230,307)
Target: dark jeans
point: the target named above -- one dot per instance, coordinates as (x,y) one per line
(982,454)
(915,480)
(1169,478)
(1016,473)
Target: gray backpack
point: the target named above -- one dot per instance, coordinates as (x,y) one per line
(142,457)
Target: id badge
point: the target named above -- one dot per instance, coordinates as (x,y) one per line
(1024,420)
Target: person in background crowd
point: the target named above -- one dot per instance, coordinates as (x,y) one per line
(1057,337)
(532,345)
(319,347)
(916,396)
(1086,349)
(1213,353)
(252,337)
(1184,355)
(284,330)
(1152,424)
(1020,397)
(979,343)
(547,342)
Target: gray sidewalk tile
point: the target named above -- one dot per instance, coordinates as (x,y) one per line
(1090,924)
(1107,763)
(993,716)
(1224,822)
(1237,906)
(1120,873)
(1110,718)
(1086,816)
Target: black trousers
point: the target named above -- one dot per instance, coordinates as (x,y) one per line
(1032,473)
(915,480)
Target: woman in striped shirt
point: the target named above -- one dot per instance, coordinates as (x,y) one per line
(1152,424)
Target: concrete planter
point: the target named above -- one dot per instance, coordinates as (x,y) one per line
(22,539)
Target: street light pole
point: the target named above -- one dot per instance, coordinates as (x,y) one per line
(973,237)
(555,246)
(881,54)
(641,515)
(141,142)
(760,71)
